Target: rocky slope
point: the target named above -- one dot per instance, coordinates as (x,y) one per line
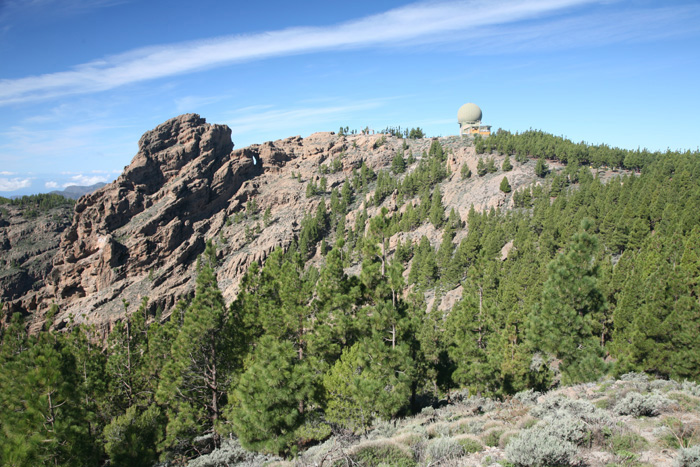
(141,235)
(29,241)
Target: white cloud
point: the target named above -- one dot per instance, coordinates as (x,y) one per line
(418,22)
(7,184)
(11,9)
(195,103)
(85,180)
(51,185)
(264,118)
(5,172)
(28,140)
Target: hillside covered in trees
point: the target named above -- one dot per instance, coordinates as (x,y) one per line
(584,273)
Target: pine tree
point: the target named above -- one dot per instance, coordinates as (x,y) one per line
(334,327)
(203,360)
(436,151)
(433,365)
(505,186)
(427,266)
(471,325)
(369,380)
(437,210)
(267,217)
(479,145)
(273,397)
(127,344)
(491,166)
(465,171)
(507,166)
(572,302)
(444,254)
(42,419)
(346,194)
(398,163)
(481,168)
(541,169)
(131,438)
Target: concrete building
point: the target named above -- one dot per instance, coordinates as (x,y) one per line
(469,119)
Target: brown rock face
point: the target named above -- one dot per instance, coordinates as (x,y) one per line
(152,219)
(28,244)
(141,235)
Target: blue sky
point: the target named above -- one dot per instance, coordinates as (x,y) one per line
(81,81)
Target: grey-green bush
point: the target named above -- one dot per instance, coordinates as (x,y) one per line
(565,427)
(688,457)
(638,405)
(231,453)
(528,397)
(538,448)
(691,387)
(440,449)
(581,409)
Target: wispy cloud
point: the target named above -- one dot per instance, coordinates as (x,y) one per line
(591,29)
(10,9)
(263,118)
(85,180)
(417,22)
(46,142)
(12,184)
(195,103)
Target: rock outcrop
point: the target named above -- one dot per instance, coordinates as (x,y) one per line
(29,241)
(141,235)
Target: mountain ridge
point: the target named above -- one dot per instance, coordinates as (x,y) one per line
(141,234)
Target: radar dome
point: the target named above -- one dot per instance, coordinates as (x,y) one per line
(469,113)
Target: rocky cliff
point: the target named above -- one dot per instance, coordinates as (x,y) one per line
(141,235)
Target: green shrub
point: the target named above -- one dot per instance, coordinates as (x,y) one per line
(686,402)
(622,443)
(492,437)
(604,403)
(677,433)
(313,430)
(470,444)
(376,453)
(409,439)
(536,447)
(473,427)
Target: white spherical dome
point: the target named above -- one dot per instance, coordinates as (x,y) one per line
(469,113)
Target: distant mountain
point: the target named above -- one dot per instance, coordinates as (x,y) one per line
(76,191)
